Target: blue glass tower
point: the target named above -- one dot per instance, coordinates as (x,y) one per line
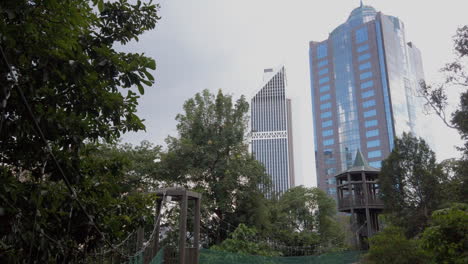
(364,85)
(272,130)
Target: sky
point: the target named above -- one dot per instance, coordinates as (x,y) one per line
(221,44)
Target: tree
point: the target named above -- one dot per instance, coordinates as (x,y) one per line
(456,75)
(410,183)
(390,246)
(64,86)
(447,235)
(210,155)
(142,161)
(306,217)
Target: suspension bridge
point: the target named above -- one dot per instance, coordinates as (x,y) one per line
(145,246)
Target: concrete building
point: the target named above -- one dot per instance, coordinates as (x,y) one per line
(364,84)
(272,130)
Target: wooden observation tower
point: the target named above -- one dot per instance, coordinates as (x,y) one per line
(358,194)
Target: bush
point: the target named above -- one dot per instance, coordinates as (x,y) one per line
(242,241)
(447,236)
(392,247)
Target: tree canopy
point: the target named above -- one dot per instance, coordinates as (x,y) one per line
(410,183)
(307,217)
(210,155)
(456,76)
(447,236)
(63,85)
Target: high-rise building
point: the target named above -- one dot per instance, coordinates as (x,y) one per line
(272,130)
(364,83)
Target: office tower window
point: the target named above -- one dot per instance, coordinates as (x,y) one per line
(325,115)
(364,56)
(363,48)
(368,104)
(325,97)
(365,75)
(361,35)
(324,71)
(328,142)
(327,133)
(330,171)
(331,181)
(372,133)
(364,66)
(322,51)
(327,123)
(324,80)
(367,84)
(370,123)
(322,63)
(373,143)
(325,106)
(376,164)
(374,154)
(368,94)
(370,113)
(324,88)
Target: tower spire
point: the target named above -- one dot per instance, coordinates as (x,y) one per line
(360,160)
(361,3)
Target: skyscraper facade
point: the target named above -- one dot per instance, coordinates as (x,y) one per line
(272,130)
(364,85)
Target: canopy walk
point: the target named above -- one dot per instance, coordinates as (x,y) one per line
(207,256)
(135,249)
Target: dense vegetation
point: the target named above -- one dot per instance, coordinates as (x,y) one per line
(64,88)
(69,190)
(210,155)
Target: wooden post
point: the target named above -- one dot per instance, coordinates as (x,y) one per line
(182,227)
(140,237)
(197,228)
(366,203)
(158,224)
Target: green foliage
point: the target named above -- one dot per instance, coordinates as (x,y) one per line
(208,256)
(210,155)
(456,76)
(447,236)
(142,162)
(243,241)
(410,183)
(80,90)
(390,246)
(414,186)
(57,227)
(306,217)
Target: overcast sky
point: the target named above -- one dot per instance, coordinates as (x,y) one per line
(221,44)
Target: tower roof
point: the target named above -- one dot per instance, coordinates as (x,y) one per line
(360,164)
(362,11)
(360,160)
(268,74)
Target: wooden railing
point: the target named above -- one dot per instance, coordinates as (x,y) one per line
(358,201)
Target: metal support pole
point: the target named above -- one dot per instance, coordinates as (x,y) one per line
(182,227)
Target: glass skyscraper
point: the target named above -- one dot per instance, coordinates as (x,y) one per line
(364,83)
(272,130)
